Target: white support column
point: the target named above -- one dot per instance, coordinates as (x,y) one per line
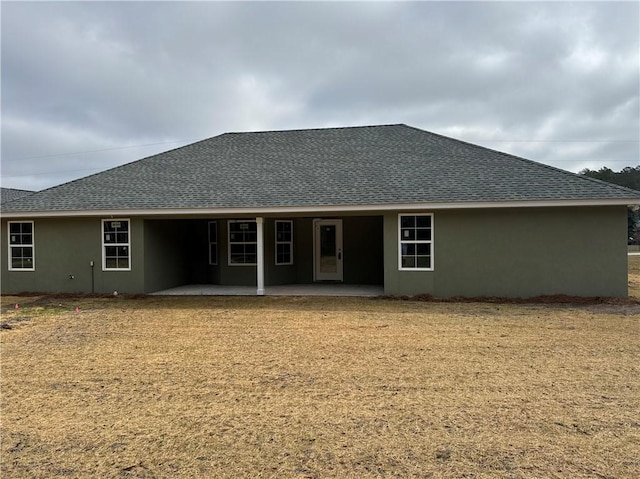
(260,258)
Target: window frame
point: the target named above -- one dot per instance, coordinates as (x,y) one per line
(290,243)
(31,245)
(105,245)
(414,241)
(230,242)
(213,261)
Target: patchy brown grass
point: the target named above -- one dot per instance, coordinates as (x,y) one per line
(319,387)
(634,277)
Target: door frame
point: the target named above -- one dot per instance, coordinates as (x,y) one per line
(317,275)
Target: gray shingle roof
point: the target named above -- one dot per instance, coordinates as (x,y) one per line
(10,194)
(375,165)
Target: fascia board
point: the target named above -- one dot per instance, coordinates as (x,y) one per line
(320,209)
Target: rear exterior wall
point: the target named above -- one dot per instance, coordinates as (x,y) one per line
(64,249)
(512,252)
(525,252)
(171,252)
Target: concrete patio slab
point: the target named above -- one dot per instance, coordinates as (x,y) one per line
(280,290)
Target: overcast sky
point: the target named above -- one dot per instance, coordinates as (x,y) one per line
(87,86)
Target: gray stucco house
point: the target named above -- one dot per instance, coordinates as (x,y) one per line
(394,206)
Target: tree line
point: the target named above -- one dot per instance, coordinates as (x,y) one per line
(630,178)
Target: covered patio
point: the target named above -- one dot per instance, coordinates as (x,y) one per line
(278,255)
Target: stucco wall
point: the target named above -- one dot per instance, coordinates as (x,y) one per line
(279,273)
(166,254)
(362,249)
(64,247)
(489,252)
(240,275)
(525,252)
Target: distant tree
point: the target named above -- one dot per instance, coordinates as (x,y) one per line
(629,177)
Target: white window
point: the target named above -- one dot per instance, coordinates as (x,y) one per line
(415,242)
(213,242)
(21,249)
(243,242)
(284,242)
(116,245)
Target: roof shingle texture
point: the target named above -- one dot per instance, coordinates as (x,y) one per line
(376,165)
(10,194)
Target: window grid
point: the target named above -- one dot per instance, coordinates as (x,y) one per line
(213,242)
(21,246)
(116,245)
(415,242)
(284,242)
(243,243)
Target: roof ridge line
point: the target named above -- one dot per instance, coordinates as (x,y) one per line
(313,129)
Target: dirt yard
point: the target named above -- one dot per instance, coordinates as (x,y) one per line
(319,387)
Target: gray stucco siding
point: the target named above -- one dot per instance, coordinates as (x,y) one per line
(517,253)
(64,249)
(165,256)
(278,273)
(362,247)
(511,252)
(363,250)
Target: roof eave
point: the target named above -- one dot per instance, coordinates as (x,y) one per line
(257,211)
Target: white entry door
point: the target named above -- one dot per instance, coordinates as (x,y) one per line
(328,250)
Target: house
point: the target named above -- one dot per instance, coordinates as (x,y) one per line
(405,209)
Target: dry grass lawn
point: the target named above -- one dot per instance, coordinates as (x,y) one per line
(319,387)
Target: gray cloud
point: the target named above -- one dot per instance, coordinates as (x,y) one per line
(81,77)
